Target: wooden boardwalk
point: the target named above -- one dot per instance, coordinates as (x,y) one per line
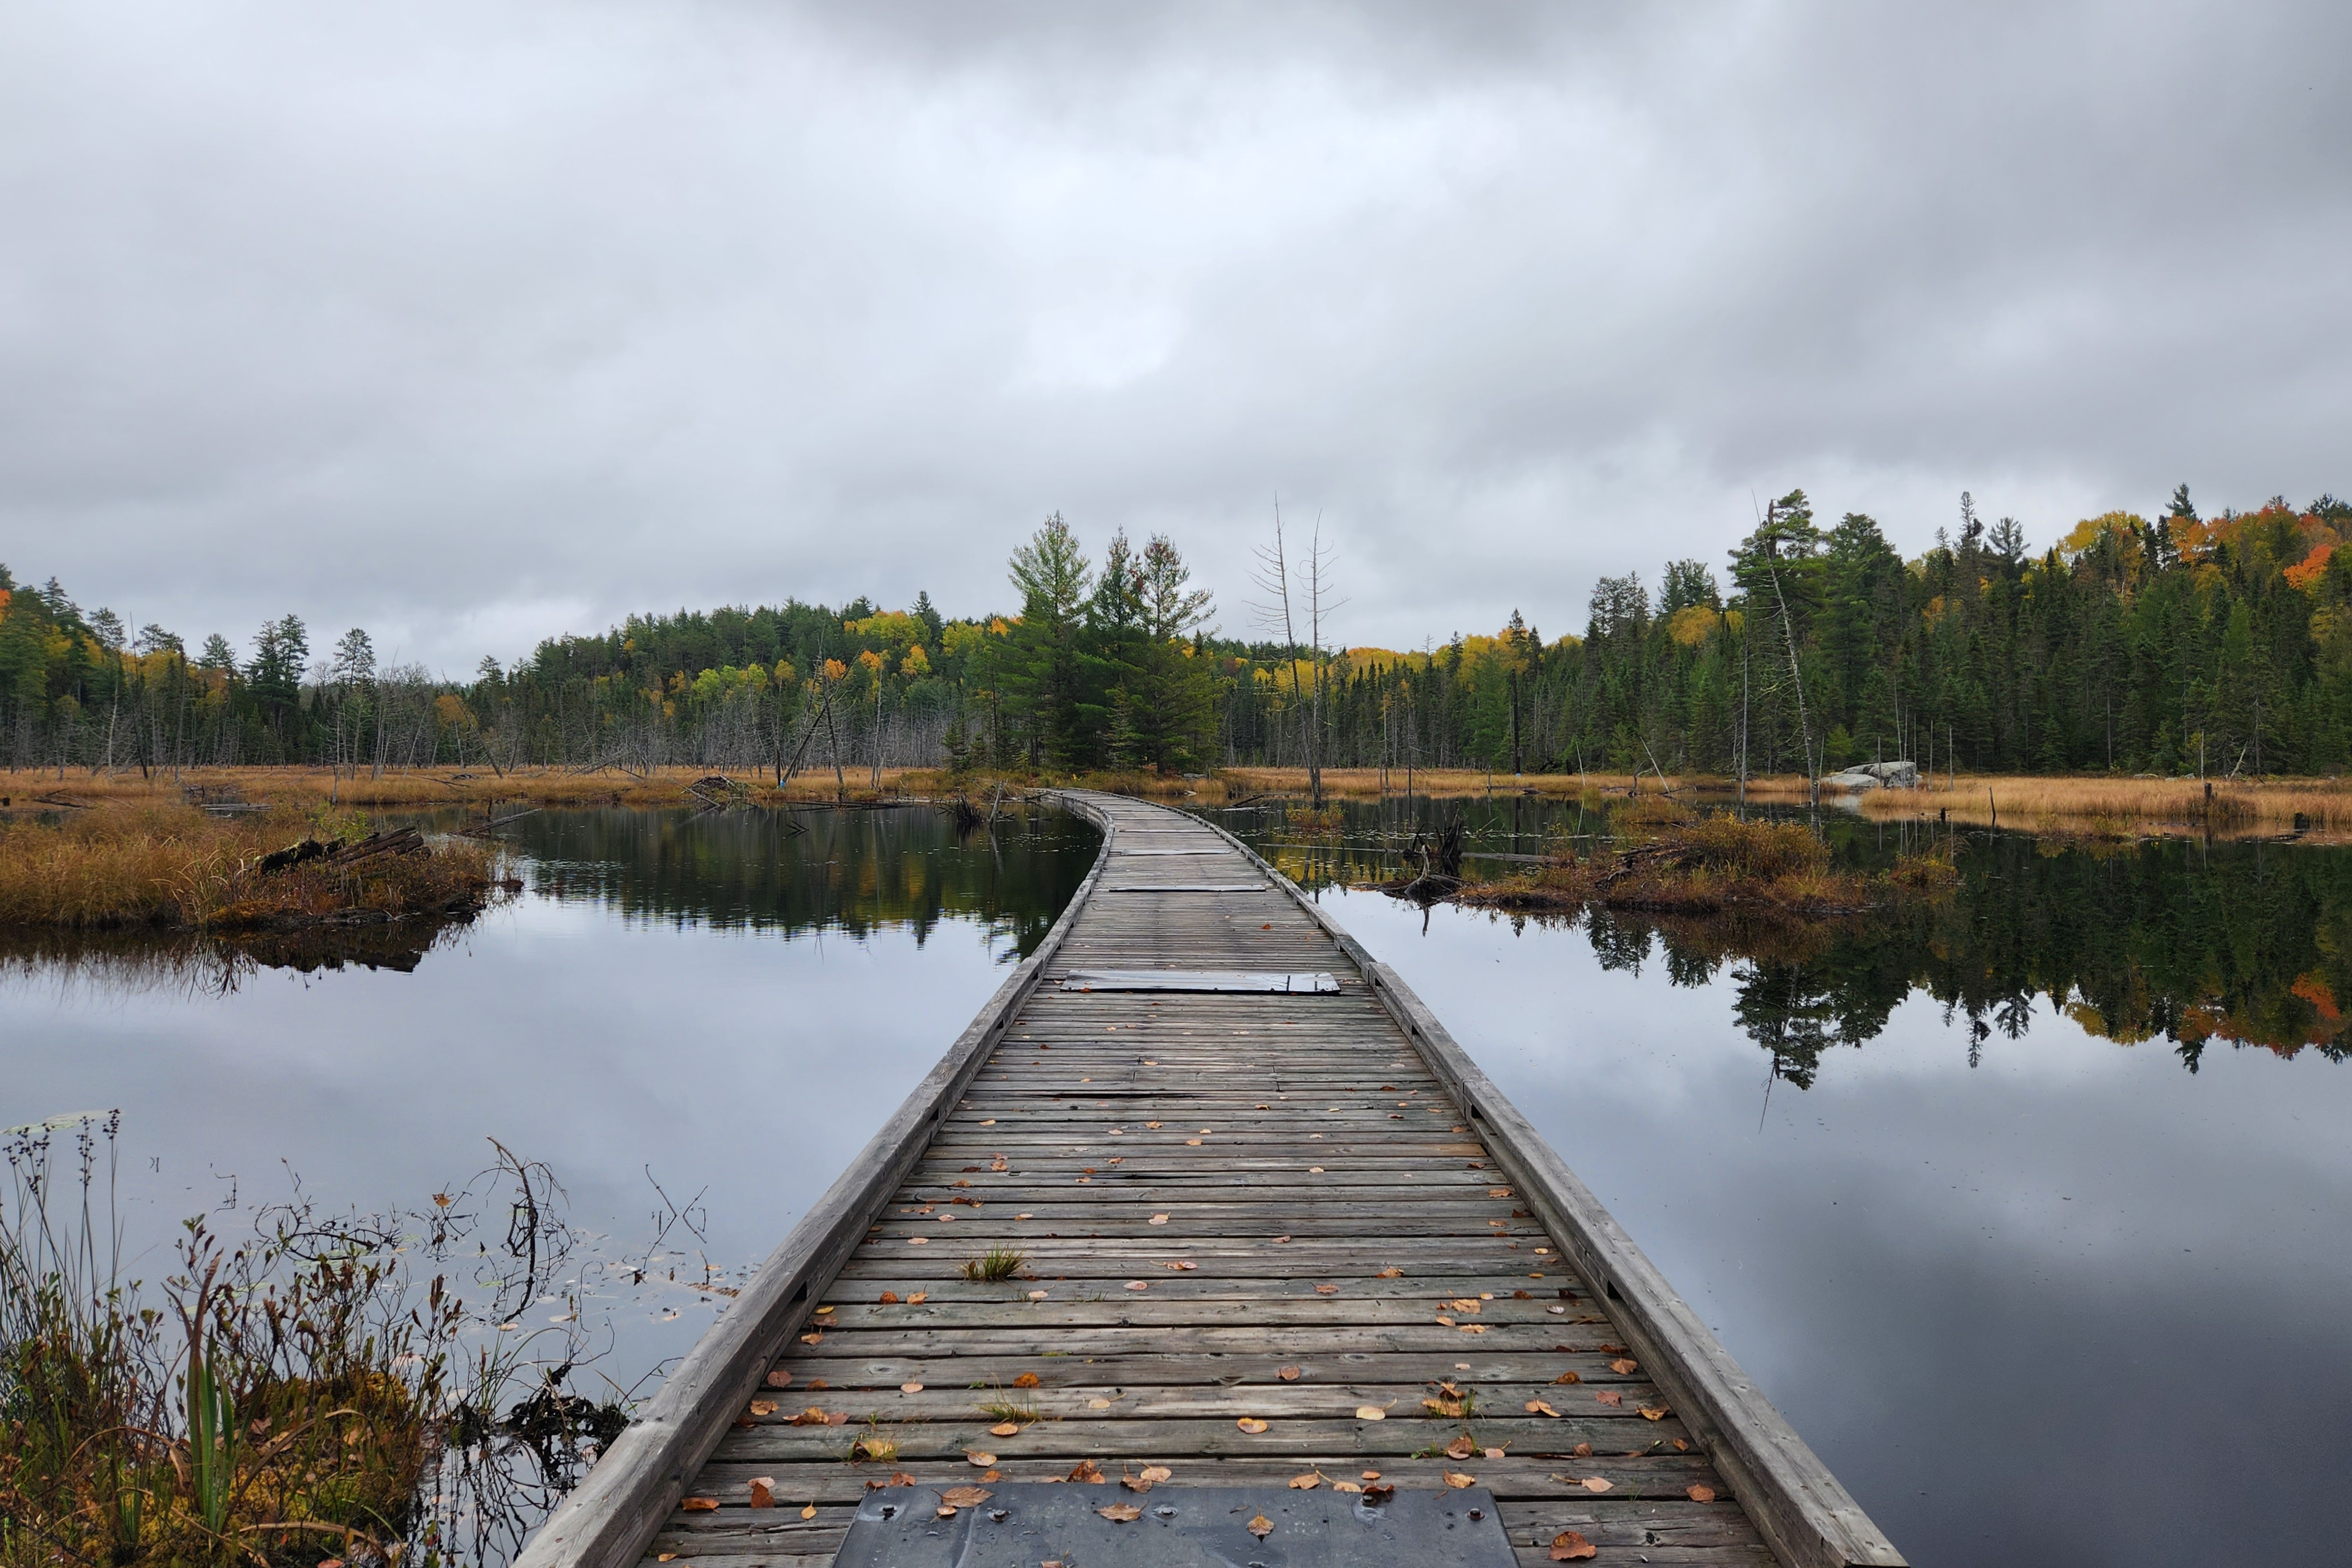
(1262,1236)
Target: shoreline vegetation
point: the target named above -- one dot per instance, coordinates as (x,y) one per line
(170,866)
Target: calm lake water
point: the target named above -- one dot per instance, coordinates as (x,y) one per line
(2031,1212)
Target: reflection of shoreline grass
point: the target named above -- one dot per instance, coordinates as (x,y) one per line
(175,866)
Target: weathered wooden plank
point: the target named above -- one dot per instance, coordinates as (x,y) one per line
(1303,1142)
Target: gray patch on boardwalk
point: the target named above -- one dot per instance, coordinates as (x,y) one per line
(1186,887)
(1197,981)
(1023,1523)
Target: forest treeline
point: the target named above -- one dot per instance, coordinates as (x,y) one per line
(2178,643)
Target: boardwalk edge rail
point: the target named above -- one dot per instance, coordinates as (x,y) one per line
(1804,1512)
(608,1519)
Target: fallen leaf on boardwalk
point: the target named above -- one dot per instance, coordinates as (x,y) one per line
(871,1448)
(1380,1493)
(1346,1486)
(1097,1404)
(1138,1285)
(1582,1450)
(1390,1274)
(780,1380)
(1157,1219)
(1005,1429)
(763,1406)
(1260,1527)
(1654,1413)
(1446,1321)
(910,1388)
(888,1297)
(945,1510)
(1372,1475)
(1568,1377)
(1538,1407)
(1471,1328)
(1155,1125)
(1192,1142)
(1498,1192)
(809,1513)
(900,1480)
(965,1497)
(990,1122)
(812,1338)
(698,1504)
(1121,1512)
(1595,1483)
(1314,1170)
(666,1557)
(1523,1295)
(816,1383)
(764,1491)
(1179,1268)
(1327,1290)
(1281,1239)
(1288,1373)
(1457,1480)
(1681,1447)
(1251,1424)
(1026,1380)
(1701,1494)
(1038,1295)
(918,1241)
(1268,926)
(1624,1367)
(1610,1398)
(992,1475)
(1307,1482)
(1568,1546)
(813,1415)
(1462,1448)
(1371,1413)
(1441,1406)
(918,1298)
(1087,1470)
(975,1458)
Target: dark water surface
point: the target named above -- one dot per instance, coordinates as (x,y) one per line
(2032,1213)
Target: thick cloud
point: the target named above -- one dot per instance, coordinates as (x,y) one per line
(474,322)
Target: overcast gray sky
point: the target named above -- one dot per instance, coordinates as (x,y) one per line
(474,322)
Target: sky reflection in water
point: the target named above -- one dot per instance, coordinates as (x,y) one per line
(2036,1297)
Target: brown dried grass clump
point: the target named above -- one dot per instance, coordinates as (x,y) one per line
(175,866)
(1677,861)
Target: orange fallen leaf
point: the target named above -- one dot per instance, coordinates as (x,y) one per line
(1192,1142)
(698,1504)
(1701,1494)
(1371,1413)
(1457,1480)
(1121,1512)
(1307,1482)
(816,1383)
(1568,1547)
(1181,1266)
(1582,1450)
(1346,1486)
(1260,1527)
(1595,1483)
(1138,1285)
(1250,1424)
(1157,1219)
(1026,1380)
(910,1388)
(1288,1373)
(813,1415)
(1654,1413)
(1005,1429)
(900,1480)
(780,1380)
(809,1513)
(812,1338)
(1624,1367)
(1327,1290)
(1087,1471)
(1538,1407)
(888,1297)
(763,1406)
(918,1298)
(1568,1377)
(764,1491)
(965,1497)
(974,1456)
(1390,1274)
(1610,1398)
(1446,1321)
(918,1241)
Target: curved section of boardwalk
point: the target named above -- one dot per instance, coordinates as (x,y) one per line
(1247,1222)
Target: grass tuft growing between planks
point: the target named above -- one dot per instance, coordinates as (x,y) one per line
(176,866)
(996,1263)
